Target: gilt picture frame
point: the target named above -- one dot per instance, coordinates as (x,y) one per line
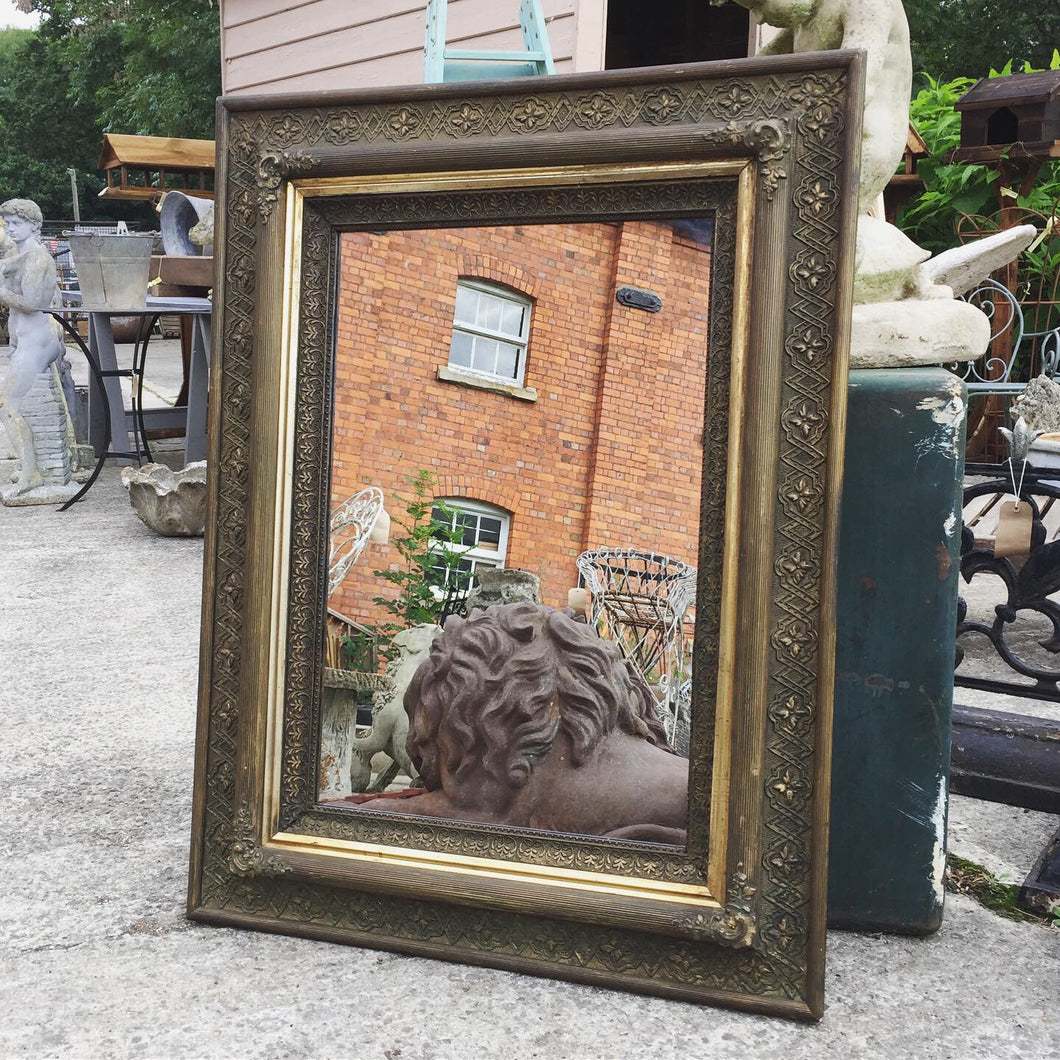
(768,150)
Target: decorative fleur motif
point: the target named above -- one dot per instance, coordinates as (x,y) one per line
(818,198)
(822,123)
(342,128)
(808,345)
(552,948)
(465,119)
(286,131)
(487,935)
(784,931)
(681,965)
(811,89)
(241,274)
(802,494)
(308,905)
(796,567)
(529,115)
(596,111)
(795,639)
(732,925)
(790,714)
(662,106)
(240,335)
(784,861)
(246,857)
(243,135)
(402,123)
(735,98)
(813,272)
(615,955)
(242,207)
(426,921)
(786,785)
(804,419)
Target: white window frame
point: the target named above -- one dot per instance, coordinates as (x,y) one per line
(480,556)
(520,340)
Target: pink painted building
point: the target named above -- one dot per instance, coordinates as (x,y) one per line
(272,46)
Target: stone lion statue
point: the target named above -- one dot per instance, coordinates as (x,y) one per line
(522,716)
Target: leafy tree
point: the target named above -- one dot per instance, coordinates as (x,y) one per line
(953,38)
(150,67)
(430,584)
(43,130)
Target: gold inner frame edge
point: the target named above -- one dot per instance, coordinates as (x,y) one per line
(296,192)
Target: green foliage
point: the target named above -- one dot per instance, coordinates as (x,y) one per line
(43,130)
(358,652)
(993,892)
(963,37)
(150,67)
(428,579)
(953,189)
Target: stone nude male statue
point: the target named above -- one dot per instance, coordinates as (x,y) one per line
(522,716)
(28,286)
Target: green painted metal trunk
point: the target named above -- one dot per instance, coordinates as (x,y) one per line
(899,559)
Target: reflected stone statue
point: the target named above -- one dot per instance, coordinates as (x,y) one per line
(905,312)
(390,723)
(33,407)
(522,716)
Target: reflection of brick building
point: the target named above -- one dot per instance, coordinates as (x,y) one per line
(596,444)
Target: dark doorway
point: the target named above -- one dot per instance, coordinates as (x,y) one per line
(1003,127)
(674,31)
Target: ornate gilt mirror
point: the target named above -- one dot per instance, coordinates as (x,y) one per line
(581,343)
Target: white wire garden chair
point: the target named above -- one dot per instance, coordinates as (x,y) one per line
(639,600)
(351,528)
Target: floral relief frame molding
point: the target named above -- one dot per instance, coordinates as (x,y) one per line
(766,147)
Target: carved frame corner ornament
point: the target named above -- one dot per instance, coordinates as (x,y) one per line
(274,167)
(733,924)
(767,148)
(246,855)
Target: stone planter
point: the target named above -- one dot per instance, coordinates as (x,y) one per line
(172,503)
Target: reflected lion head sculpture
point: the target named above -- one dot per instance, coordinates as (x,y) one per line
(501,686)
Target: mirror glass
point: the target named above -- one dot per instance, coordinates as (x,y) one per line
(518,418)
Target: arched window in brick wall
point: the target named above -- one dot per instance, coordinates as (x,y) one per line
(484,534)
(491,327)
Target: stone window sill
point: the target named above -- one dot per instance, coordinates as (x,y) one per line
(479,382)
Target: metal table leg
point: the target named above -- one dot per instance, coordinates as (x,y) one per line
(198,388)
(97,378)
(143,338)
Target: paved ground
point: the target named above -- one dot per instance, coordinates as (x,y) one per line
(98,657)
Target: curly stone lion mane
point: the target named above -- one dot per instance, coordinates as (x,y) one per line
(500,686)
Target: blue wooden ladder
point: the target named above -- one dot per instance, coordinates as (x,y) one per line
(475,64)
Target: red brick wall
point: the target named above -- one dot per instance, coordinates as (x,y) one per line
(567,486)
(645,481)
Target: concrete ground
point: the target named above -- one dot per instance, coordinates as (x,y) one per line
(99,642)
(98,661)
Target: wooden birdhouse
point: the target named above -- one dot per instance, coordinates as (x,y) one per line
(1023,109)
(146,167)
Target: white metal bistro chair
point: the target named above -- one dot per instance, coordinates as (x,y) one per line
(351,528)
(639,600)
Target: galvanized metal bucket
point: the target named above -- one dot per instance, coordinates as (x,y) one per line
(112,270)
